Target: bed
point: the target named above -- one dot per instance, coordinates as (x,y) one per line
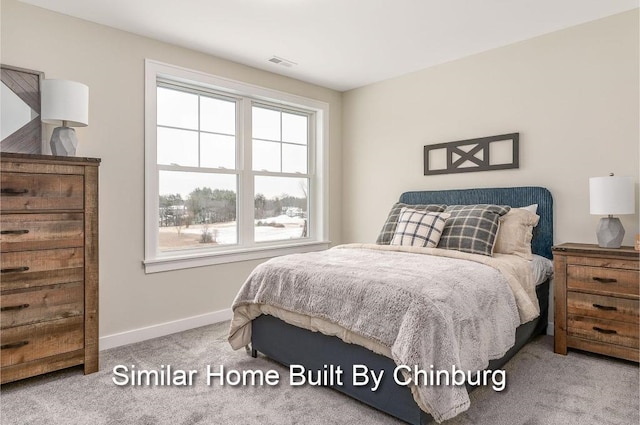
(290,344)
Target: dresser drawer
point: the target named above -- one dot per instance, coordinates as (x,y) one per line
(21,270)
(602,330)
(21,232)
(27,191)
(610,308)
(603,280)
(31,342)
(41,305)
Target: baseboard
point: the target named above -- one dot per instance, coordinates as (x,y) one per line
(162,329)
(168,328)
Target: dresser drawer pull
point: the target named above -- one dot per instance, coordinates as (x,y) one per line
(15,269)
(605,307)
(14,232)
(604,331)
(605,280)
(11,191)
(13,345)
(14,307)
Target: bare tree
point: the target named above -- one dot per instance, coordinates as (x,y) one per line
(179,224)
(305,227)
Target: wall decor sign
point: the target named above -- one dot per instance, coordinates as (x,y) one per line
(466,156)
(21,128)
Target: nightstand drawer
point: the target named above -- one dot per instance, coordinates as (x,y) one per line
(31,342)
(21,232)
(601,330)
(41,305)
(27,269)
(27,191)
(603,280)
(610,308)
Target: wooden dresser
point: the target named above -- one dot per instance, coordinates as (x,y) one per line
(49,259)
(596,300)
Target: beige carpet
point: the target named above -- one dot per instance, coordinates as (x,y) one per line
(543,388)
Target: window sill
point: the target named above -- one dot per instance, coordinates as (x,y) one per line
(178,262)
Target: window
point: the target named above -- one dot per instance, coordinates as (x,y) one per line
(233,171)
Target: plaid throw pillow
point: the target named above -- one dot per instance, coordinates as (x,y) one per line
(389,228)
(472,228)
(419,228)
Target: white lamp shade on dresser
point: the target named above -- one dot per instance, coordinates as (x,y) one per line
(611,195)
(64,100)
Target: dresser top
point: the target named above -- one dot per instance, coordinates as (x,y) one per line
(585,248)
(10,156)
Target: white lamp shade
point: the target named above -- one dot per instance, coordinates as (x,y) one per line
(611,195)
(64,100)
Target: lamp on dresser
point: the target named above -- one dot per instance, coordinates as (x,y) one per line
(67,103)
(611,195)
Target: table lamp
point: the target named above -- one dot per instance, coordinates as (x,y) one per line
(611,195)
(67,103)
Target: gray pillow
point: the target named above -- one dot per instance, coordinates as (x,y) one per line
(472,228)
(389,228)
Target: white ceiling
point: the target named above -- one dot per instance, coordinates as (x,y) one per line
(340,44)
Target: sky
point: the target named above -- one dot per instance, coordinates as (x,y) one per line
(200,131)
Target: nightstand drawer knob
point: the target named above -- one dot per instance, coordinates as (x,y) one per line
(14,345)
(14,307)
(604,331)
(605,307)
(605,280)
(15,270)
(12,191)
(14,232)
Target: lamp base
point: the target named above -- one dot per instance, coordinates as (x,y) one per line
(64,141)
(610,232)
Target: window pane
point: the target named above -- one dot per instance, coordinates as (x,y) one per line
(266,156)
(265,124)
(179,147)
(177,109)
(197,210)
(218,116)
(281,208)
(294,158)
(217,151)
(294,128)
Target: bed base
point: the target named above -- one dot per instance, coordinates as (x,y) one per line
(289,345)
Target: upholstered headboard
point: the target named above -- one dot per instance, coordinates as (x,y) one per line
(513,196)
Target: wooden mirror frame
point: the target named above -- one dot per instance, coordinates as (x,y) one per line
(25,83)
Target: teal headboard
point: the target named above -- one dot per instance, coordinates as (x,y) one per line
(513,196)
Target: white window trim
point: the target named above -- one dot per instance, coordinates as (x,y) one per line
(155,261)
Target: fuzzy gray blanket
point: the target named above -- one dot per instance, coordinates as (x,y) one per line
(424,309)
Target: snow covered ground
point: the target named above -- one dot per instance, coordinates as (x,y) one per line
(226,233)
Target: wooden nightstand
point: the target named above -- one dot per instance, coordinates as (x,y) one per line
(596,300)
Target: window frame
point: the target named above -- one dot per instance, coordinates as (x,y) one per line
(248,95)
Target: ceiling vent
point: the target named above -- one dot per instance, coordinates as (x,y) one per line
(280,61)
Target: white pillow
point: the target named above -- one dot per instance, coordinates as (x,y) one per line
(419,228)
(533,208)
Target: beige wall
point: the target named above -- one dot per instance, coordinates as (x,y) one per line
(111,63)
(572,95)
